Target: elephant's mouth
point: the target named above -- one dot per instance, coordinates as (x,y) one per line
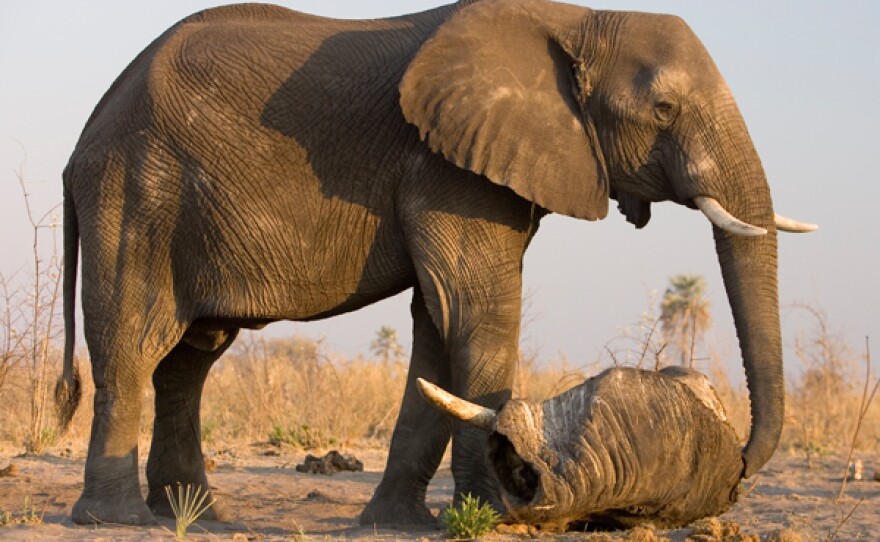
(517,479)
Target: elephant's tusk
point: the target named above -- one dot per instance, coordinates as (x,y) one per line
(479,416)
(783,223)
(719,216)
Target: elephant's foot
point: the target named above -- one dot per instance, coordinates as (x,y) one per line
(158,503)
(127,510)
(392,512)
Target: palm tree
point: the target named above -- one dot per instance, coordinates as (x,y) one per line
(685,315)
(386,346)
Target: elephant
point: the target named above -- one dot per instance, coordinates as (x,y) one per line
(600,455)
(256,164)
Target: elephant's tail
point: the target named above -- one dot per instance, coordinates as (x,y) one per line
(68,389)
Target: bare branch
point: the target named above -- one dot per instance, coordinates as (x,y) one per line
(864,404)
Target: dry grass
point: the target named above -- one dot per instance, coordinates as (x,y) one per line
(825,402)
(298,392)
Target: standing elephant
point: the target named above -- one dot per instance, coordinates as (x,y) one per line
(256,164)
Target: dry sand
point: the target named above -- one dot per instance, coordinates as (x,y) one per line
(272,501)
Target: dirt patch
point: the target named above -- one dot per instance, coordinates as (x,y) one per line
(272,501)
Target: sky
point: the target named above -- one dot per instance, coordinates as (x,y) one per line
(806,76)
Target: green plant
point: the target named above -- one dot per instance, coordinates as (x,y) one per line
(470,519)
(41,440)
(28,515)
(187,506)
(209,429)
(300,436)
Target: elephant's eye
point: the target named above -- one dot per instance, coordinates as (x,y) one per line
(665,111)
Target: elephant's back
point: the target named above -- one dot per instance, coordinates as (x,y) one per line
(238,56)
(254,12)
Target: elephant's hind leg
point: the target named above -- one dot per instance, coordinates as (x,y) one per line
(176,451)
(112,492)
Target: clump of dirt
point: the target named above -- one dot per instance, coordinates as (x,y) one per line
(518,529)
(8,471)
(641,533)
(331,463)
(714,530)
(784,535)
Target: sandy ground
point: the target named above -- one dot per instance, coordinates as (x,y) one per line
(272,501)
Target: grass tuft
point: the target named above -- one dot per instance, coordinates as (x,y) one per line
(470,519)
(29,515)
(188,505)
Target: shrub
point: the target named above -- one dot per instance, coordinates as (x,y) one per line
(470,519)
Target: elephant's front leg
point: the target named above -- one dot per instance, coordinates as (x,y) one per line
(472,320)
(420,436)
(176,451)
(486,378)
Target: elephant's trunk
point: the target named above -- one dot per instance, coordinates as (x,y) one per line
(748,266)
(724,166)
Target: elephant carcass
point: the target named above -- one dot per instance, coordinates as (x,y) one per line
(625,447)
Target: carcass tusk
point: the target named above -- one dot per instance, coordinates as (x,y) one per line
(719,216)
(479,416)
(784,223)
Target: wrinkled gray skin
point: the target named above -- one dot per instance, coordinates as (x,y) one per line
(255,164)
(623,448)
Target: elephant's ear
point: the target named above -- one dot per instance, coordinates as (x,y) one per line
(493,92)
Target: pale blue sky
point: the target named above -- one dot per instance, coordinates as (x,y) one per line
(806,76)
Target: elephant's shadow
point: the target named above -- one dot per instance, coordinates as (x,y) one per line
(276,501)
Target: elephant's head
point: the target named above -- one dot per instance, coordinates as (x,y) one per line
(571,107)
(625,447)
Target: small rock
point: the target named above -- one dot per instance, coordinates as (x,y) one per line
(9,471)
(318,496)
(877,475)
(713,530)
(855,470)
(706,527)
(210,464)
(227,453)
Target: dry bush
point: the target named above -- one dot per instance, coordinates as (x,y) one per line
(823,404)
(537,381)
(294,392)
(15,418)
(30,330)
